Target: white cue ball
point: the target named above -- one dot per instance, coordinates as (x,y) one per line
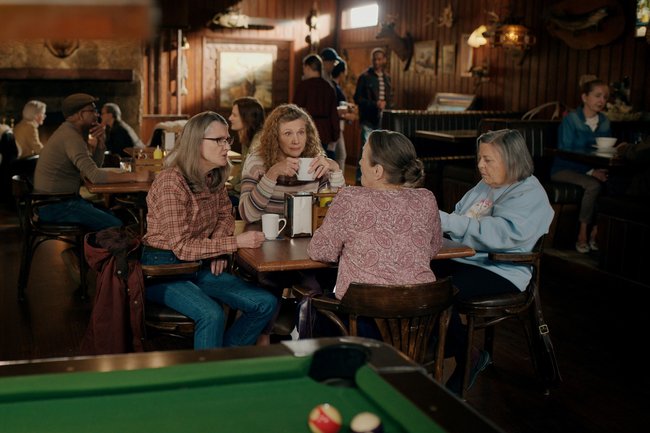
(366,422)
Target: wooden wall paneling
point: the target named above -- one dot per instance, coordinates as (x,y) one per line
(572,77)
(558,66)
(541,72)
(192,102)
(519,81)
(537,73)
(594,65)
(466,26)
(639,78)
(583,67)
(527,66)
(627,64)
(605,61)
(550,72)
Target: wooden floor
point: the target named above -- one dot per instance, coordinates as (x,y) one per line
(596,322)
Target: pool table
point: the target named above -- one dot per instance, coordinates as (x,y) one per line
(249,389)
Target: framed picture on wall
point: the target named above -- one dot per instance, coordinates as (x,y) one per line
(466,57)
(233,69)
(425,54)
(448,59)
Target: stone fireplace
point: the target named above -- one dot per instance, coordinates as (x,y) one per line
(109,70)
(109,86)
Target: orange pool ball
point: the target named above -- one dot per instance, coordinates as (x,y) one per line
(324,418)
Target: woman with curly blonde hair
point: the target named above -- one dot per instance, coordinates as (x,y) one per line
(270,169)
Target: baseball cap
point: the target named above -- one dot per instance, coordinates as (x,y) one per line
(329,54)
(76,102)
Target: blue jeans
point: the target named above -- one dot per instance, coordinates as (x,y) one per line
(198,299)
(77,210)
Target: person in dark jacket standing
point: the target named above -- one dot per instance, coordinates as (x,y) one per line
(372,95)
(317,97)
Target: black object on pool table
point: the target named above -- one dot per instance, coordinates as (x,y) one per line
(338,364)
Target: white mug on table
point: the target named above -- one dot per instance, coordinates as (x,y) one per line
(271,225)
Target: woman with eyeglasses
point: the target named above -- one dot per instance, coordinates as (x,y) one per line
(270,169)
(190,218)
(507,211)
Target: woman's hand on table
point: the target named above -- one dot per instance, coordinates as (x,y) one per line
(287,167)
(217,266)
(250,239)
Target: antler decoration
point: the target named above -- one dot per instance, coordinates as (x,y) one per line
(402,46)
(447,17)
(62,48)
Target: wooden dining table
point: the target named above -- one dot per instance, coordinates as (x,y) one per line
(464,136)
(233,156)
(445,145)
(117,187)
(290,254)
(593,157)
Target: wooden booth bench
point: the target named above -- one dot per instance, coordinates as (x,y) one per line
(436,155)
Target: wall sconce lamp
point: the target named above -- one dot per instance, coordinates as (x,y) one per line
(508,36)
(512,36)
(476,39)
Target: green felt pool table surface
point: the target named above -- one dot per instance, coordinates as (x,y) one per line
(226,390)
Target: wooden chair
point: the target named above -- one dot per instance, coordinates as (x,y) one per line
(36,232)
(161,318)
(136,205)
(406,315)
(484,312)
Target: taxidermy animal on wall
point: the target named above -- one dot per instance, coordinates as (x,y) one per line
(576,23)
(402,46)
(585,25)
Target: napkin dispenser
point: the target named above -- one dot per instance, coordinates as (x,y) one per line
(297,210)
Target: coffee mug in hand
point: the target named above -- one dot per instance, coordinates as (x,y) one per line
(303,169)
(271,225)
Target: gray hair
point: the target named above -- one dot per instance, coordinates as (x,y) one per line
(113,109)
(33,108)
(396,154)
(512,147)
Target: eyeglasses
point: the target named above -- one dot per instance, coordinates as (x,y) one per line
(90,111)
(221,141)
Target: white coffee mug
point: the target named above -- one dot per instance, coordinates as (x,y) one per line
(271,225)
(303,169)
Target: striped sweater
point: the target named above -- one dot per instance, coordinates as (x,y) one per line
(260,195)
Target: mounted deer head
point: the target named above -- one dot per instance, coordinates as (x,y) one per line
(402,46)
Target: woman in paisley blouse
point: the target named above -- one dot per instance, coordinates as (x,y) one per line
(387,230)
